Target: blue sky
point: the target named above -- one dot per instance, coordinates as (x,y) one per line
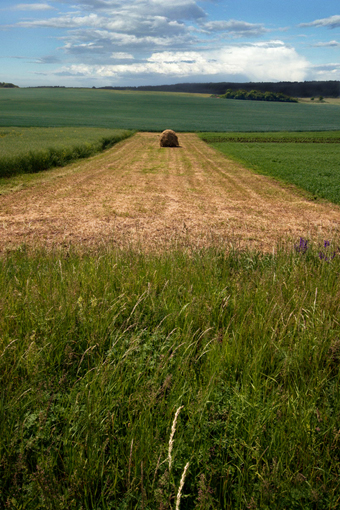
(149,42)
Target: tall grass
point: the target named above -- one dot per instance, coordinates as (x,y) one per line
(232,358)
(30,150)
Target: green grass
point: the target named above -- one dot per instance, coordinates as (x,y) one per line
(98,352)
(310,161)
(156,111)
(29,150)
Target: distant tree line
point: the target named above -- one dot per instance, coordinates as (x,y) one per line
(257,95)
(4,85)
(50,87)
(293,89)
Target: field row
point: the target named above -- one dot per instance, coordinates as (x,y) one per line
(29,150)
(141,194)
(152,111)
(310,161)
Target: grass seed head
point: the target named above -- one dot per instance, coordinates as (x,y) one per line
(171,440)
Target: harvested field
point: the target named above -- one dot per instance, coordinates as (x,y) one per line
(140,194)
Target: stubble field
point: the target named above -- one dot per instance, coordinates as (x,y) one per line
(141,194)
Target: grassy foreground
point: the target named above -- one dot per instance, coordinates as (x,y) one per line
(198,380)
(29,150)
(308,160)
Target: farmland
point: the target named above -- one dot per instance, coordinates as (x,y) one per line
(150,111)
(169,314)
(28,150)
(141,194)
(310,161)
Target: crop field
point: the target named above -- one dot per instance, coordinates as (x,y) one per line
(150,111)
(311,161)
(27,150)
(169,327)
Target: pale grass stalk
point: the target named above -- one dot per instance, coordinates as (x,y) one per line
(154,477)
(181,485)
(7,346)
(171,440)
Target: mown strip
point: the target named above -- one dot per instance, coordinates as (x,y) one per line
(277,137)
(31,150)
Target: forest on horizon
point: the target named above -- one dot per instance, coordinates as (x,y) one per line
(294,89)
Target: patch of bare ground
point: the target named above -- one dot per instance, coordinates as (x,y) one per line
(138,194)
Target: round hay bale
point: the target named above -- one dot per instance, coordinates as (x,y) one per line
(168,139)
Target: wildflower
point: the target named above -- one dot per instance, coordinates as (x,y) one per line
(302,246)
(325,255)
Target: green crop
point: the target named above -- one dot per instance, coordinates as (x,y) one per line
(27,150)
(156,111)
(311,161)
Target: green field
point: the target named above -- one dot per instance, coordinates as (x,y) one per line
(152,111)
(28,150)
(311,161)
(98,352)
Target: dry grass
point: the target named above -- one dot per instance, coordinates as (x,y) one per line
(326,100)
(138,193)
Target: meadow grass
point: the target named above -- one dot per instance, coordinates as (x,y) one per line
(30,150)
(307,160)
(202,379)
(156,111)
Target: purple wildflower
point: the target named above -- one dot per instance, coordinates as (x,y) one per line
(326,255)
(302,246)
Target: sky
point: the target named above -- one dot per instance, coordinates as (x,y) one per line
(153,42)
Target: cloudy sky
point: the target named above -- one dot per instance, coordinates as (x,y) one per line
(149,42)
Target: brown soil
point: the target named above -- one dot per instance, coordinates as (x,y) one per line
(139,193)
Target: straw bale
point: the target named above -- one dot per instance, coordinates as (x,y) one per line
(168,139)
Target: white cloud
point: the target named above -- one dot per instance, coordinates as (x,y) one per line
(236,28)
(32,7)
(326,71)
(162,39)
(331,22)
(122,56)
(175,9)
(329,44)
(272,61)
(67,21)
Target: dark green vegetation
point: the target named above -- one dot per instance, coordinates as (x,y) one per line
(149,111)
(308,160)
(257,95)
(329,88)
(4,85)
(98,352)
(28,150)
